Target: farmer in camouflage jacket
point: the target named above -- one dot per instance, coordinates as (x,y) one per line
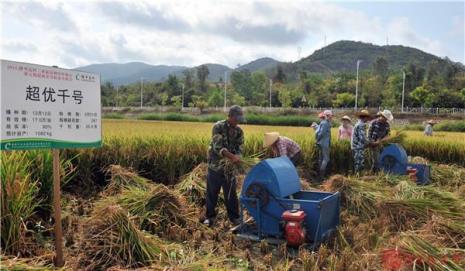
(226,143)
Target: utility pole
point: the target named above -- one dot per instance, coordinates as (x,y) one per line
(225,86)
(356,85)
(141,87)
(403,90)
(271,84)
(182,98)
(117,96)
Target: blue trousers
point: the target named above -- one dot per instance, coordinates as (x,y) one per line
(216,181)
(323,158)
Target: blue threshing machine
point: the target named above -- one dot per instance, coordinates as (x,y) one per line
(280,210)
(394,160)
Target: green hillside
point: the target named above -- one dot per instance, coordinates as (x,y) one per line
(342,56)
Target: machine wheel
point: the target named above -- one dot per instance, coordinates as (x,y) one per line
(259,192)
(388,162)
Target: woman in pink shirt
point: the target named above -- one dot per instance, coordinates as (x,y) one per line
(345,130)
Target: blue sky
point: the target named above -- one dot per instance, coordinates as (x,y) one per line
(71,33)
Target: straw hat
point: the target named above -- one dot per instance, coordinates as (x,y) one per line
(363,113)
(387,114)
(431,122)
(346,118)
(270,139)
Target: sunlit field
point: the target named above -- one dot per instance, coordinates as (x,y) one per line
(136,128)
(136,202)
(442,147)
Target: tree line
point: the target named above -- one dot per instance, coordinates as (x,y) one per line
(435,85)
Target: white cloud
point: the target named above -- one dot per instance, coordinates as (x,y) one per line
(403,33)
(17,46)
(48,15)
(190,33)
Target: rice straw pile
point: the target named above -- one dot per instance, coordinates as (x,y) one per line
(112,238)
(157,208)
(380,210)
(193,186)
(121,178)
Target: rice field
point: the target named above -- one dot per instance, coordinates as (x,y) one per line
(135,203)
(135,128)
(150,138)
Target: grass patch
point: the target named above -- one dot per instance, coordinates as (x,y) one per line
(451,126)
(257,119)
(113,116)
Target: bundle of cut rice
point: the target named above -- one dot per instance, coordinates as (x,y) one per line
(112,238)
(121,178)
(193,186)
(156,208)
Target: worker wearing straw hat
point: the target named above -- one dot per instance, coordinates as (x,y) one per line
(226,143)
(359,140)
(379,130)
(282,146)
(429,128)
(345,130)
(323,142)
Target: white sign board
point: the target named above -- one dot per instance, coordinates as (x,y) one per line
(46,107)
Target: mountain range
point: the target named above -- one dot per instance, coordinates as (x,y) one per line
(340,56)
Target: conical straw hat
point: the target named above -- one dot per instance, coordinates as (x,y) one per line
(270,138)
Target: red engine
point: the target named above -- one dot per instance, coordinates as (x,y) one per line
(294,230)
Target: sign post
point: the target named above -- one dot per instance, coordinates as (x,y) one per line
(59,261)
(45,107)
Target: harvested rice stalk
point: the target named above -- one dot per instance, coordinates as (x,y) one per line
(157,208)
(419,160)
(112,239)
(430,256)
(306,185)
(234,169)
(122,177)
(409,190)
(398,137)
(193,185)
(450,177)
(408,212)
(359,197)
(450,232)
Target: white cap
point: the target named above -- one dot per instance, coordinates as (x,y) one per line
(387,114)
